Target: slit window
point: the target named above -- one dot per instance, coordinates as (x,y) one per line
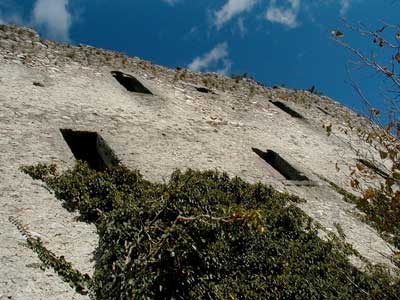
(373,168)
(324,111)
(130,83)
(90,147)
(281,165)
(287,109)
(203,89)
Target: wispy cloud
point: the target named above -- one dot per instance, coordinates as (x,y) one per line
(284,14)
(231,9)
(217,59)
(242,27)
(344,6)
(171,2)
(53,16)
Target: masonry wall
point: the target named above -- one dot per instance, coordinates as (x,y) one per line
(46,86)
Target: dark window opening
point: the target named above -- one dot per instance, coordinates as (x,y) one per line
(373,168)
(203,89)
(324,111)
(281,165)
(130,83)
(90,147)
(37,83)
(287,109)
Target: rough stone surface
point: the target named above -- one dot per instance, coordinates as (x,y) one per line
(177,127)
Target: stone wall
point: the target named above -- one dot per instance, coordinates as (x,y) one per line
(191,120)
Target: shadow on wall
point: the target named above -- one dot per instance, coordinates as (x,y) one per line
(130,83)
(287,109)
(281,165)
(90,147)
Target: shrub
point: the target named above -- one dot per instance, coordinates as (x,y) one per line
(204,235)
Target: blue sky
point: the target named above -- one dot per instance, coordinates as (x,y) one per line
(275,41)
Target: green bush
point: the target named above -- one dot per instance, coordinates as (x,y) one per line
(204,235)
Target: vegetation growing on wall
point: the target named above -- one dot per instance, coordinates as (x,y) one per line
(378,211)
(376,175)
(204,235)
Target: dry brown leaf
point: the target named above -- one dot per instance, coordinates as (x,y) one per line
(397,57)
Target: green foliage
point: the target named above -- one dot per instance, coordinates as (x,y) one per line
(81,283)
(380,200)
(40,171)
(379,211)
(204,235)
(383,211)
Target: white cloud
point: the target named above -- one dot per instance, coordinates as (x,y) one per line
(216,58)
(231,9)
(285,15)
(171,2)
(242,27)
(54,17)
(344,6)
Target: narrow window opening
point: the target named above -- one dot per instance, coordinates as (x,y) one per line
(287,109)
(373,168)
(324,111)
(130,83)
(90,147)
(281,165)
(203,89)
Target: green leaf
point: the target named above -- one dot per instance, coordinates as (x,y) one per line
(383,154)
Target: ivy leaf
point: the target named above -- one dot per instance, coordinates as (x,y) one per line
(369,193)
(360,167)
(390,182)
(383,154)
(354,183)
(328,129)
(396,175)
